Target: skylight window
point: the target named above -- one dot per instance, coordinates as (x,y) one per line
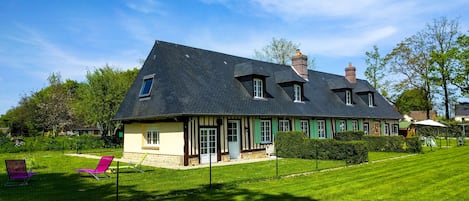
(147,84)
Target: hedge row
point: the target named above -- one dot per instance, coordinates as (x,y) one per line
(296,145)
(383,143)
(40,143)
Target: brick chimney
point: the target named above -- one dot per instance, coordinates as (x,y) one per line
(300,64)
(350,73)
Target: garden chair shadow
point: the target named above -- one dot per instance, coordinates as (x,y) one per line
(17,172)
(137,166)
(100,171)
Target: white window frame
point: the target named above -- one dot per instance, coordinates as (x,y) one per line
(366,128)
(297,93)
(386,129)
(266,131)
(304,125)
(395,130)
(284,125)
(354,125)
(371,102)
(258,87)
(152,137)
(342,125)
(348,97)
(321,129)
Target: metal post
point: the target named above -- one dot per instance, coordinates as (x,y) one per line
(210,164)
(117,182)
(276,162)
(317,156)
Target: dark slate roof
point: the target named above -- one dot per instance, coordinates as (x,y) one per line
(192,81)
(462,109)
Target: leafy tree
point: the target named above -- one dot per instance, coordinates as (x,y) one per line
(54,109)
(412,100)
(461,78)
(278,51)
(441,38)
(100,96)
(375,70)
(411,59)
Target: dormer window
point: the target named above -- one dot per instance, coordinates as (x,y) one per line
(147,84)
(371,102)
(258,88)
(297,93)
(348,97)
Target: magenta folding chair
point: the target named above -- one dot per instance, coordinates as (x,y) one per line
(17,172)
(100,171)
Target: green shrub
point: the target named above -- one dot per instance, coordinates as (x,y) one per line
(291,144)
(349,135)
(413,145)
(296,145)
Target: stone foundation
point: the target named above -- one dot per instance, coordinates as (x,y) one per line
(155,159)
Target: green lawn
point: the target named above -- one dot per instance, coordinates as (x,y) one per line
(438,174)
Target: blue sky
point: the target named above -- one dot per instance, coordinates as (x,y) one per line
(39,37)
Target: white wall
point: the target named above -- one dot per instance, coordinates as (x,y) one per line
(171,138)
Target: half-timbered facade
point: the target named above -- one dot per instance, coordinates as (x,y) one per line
(190,106)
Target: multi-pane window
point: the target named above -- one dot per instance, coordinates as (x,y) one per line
(152,137)
(386,129)
(354,125)
(366,128)
(258,88)
(266,132)
(321,129)
(283,125)
(232,131)
(342,126)
(370,100)
(297,91)
(348,97)
(304,124)
(395,129)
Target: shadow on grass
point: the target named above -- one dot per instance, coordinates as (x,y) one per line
(227,192)
(63,186)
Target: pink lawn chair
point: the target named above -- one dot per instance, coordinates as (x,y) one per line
(100,171)
(17,172)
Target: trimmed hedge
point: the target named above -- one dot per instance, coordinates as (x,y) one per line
(40,143)
(393,144)
(349,135)
(297,145)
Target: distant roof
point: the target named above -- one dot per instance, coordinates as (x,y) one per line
(192,81)
(462,109)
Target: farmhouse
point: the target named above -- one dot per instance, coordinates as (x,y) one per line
(190,106)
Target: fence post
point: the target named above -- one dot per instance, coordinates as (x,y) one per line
(117,182)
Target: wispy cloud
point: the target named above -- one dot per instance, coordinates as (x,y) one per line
(146,6)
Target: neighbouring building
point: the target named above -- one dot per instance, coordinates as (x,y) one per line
(461,112)
(190,106)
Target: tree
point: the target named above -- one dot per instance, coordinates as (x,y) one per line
(441,38)
(100,96)
(375,70)
(411,59)
(278,51)
(412,100)
(461,78)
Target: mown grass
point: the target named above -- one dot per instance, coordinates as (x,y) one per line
(439,173)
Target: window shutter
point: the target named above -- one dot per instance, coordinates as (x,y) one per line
(257,131)
(274,127)
(313,127)
(297,125)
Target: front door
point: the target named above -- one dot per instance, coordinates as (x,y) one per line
(208,145)
(233,138)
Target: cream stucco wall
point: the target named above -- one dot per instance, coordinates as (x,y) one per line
(171,138)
